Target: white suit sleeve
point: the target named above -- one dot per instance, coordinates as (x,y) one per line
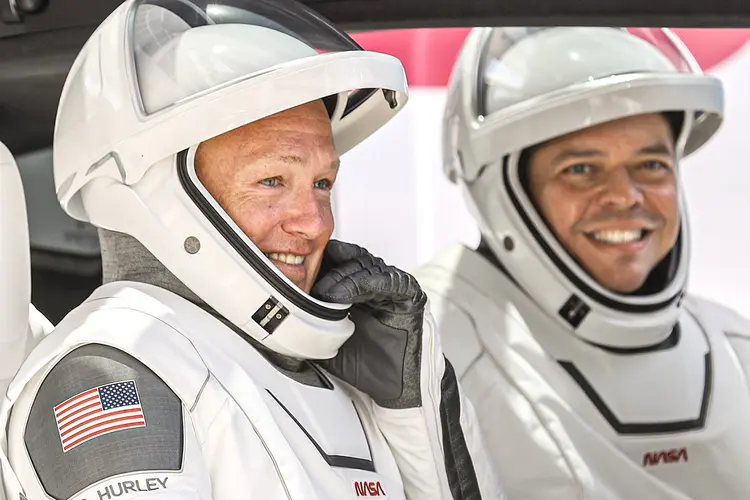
(438,446)
(101,426)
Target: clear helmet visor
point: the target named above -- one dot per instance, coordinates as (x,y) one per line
(518,64)
(182,49)
(523,86)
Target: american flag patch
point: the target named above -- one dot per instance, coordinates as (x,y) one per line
(98,411)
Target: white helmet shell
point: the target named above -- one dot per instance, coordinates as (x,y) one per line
(514,88)
(159,77)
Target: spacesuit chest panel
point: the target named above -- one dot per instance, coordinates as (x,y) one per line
(660,424)
(334,443)
(680,413)
(340,451)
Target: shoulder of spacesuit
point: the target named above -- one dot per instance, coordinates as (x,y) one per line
(110,386)
(130,321)
(465,292)
(99,403)
(719,317)
(459,279)
(726,322)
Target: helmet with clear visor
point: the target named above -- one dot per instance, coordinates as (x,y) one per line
(157,78)
(515,88)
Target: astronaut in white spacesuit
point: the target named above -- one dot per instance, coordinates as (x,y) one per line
(233,351)
(21,324)
(592,373)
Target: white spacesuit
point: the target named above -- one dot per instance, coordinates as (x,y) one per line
(583,392)
(189,374)
(21,324)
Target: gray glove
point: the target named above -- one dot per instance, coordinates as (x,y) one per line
(382,357)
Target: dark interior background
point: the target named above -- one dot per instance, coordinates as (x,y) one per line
(38,47)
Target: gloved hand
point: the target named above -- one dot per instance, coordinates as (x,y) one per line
(382,357)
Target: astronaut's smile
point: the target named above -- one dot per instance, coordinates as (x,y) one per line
(632,241)
(287,258)
(619,236)
(291,265)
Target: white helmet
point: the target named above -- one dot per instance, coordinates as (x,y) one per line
(513,88)
(156,79)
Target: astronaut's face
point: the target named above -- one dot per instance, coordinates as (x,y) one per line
(274,177)
(610,195)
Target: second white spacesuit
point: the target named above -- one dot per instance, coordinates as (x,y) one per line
(570,420)
(581,391)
